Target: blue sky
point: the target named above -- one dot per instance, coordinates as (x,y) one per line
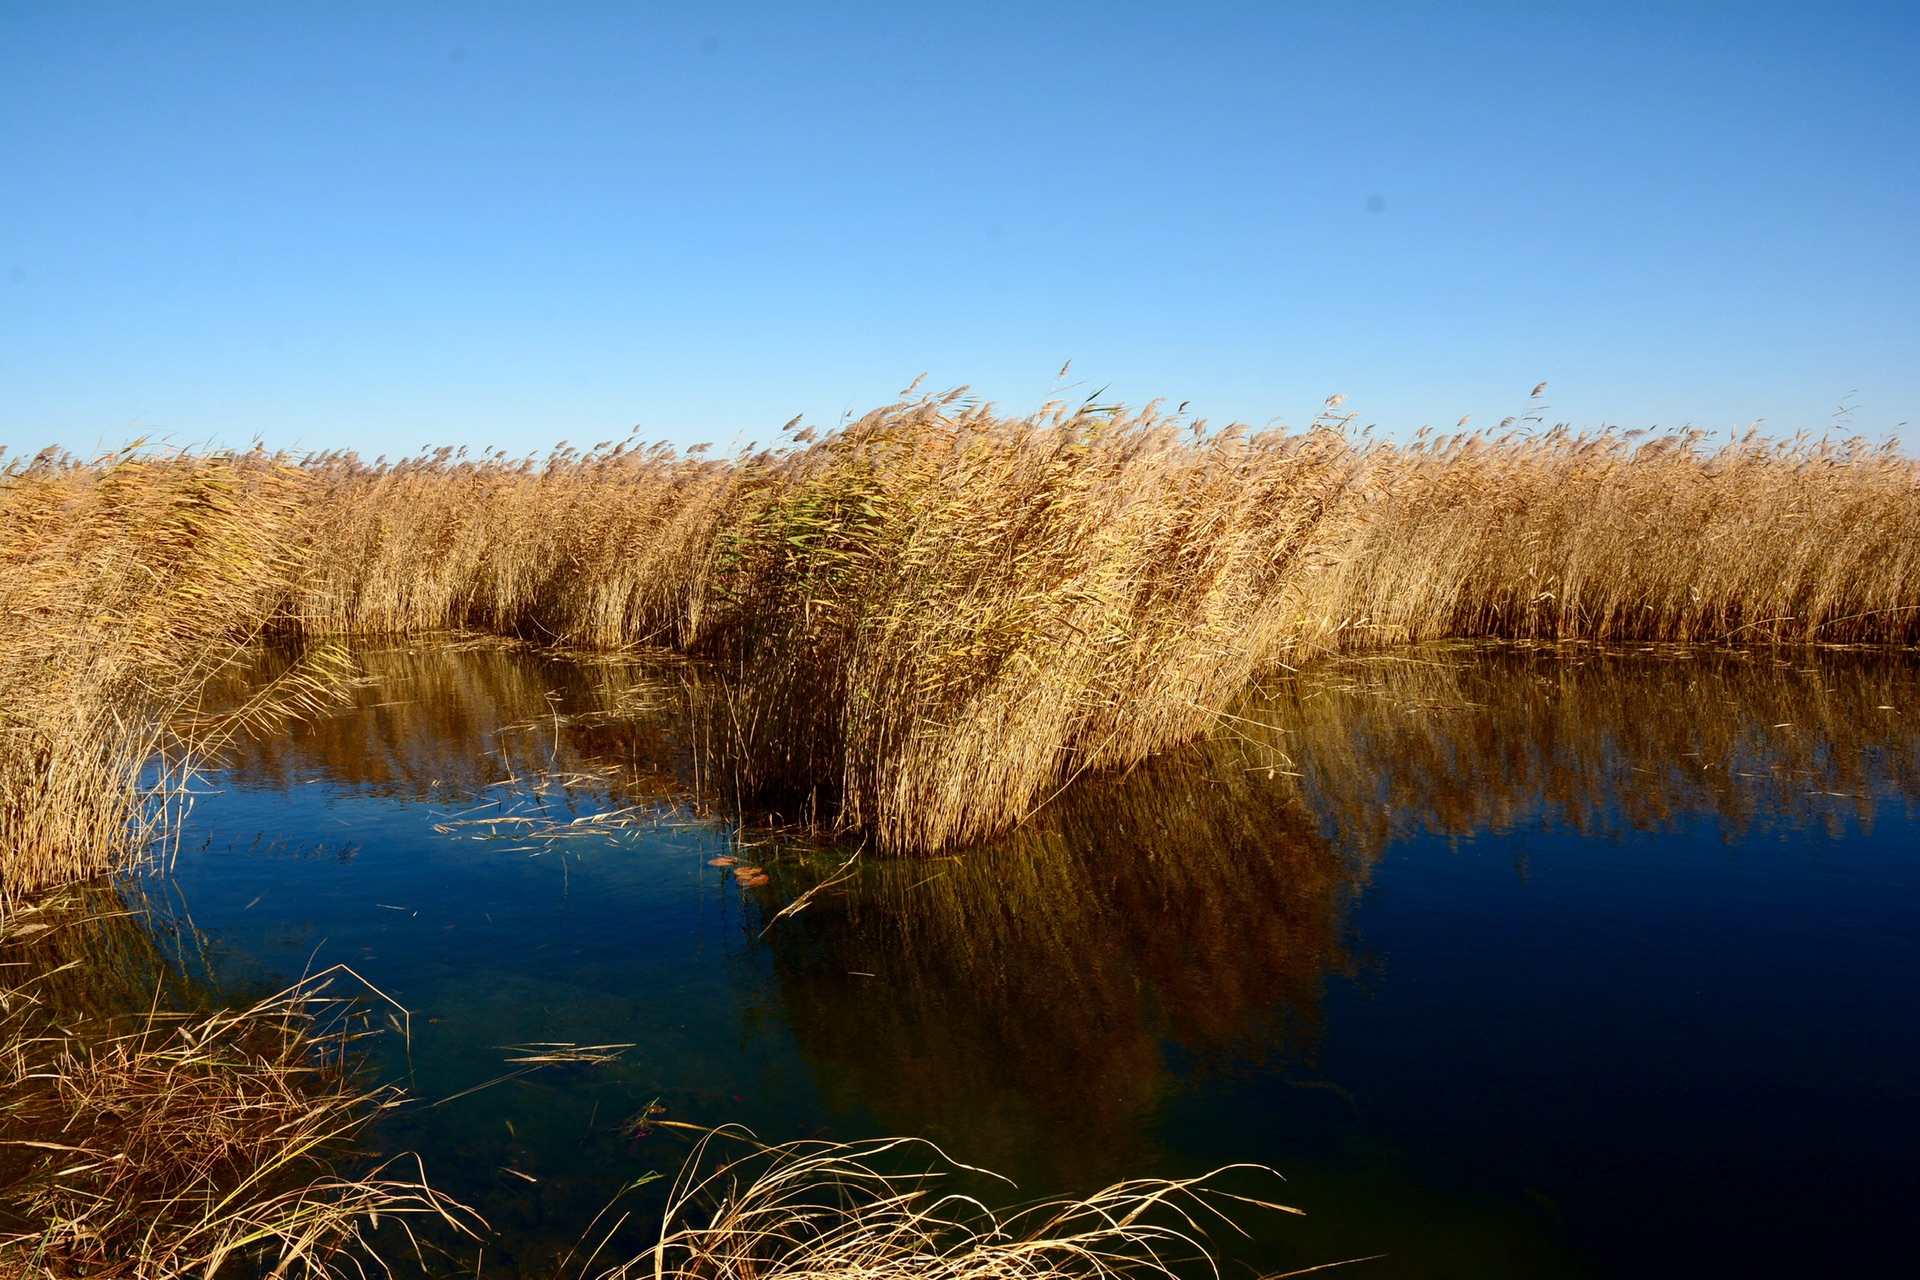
(382,226)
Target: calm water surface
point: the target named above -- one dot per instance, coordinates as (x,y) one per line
(1514,963)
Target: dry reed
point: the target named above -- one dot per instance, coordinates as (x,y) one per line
(1615,538)
(919,627)
(150,1143)
(124,585)
(806,1210)
(924,624)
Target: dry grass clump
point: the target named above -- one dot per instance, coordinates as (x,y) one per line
(124,584)
(821,1209)
(936,615)
(161,1144)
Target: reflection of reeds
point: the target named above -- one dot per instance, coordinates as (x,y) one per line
(1196,908)
(1034,984)
(1592,739)
(451,719)
(820,1209)
(152,1143)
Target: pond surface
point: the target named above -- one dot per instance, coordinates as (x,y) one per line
(1513,962)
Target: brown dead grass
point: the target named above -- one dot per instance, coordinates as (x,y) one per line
(124,585)
(920,627)
(139,1142)
(797,1211)
(926,623)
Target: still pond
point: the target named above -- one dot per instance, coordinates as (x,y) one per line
(1514,962)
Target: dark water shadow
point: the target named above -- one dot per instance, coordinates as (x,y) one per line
(1048,1004)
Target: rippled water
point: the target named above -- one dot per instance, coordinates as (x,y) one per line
(1514,962)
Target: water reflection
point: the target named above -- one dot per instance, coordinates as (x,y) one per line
(1188,914)
(446,719)
(95,952)
(1147,932)
(1458,739)
(1183,965)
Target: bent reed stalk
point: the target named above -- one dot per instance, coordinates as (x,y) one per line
(817,1209)
(125,586)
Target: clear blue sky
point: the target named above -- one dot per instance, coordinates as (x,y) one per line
(380,226)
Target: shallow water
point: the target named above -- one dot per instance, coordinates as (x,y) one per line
(1513,962)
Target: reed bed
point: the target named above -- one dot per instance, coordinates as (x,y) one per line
(602,550)
(1619,537)
(125,585)
(923,625)
(920,627)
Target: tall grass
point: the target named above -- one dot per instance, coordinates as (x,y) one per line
(920,627)
(599,550)
(1615,537)
(124,586)
(928,622)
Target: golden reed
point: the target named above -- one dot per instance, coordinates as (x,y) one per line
(928,622)
(125,585)
(922,626)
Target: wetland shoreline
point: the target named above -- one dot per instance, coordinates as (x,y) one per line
(927,630)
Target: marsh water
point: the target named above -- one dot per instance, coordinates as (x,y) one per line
(1514,962)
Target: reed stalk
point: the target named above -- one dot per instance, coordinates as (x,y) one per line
(125,585)
(815,1210)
